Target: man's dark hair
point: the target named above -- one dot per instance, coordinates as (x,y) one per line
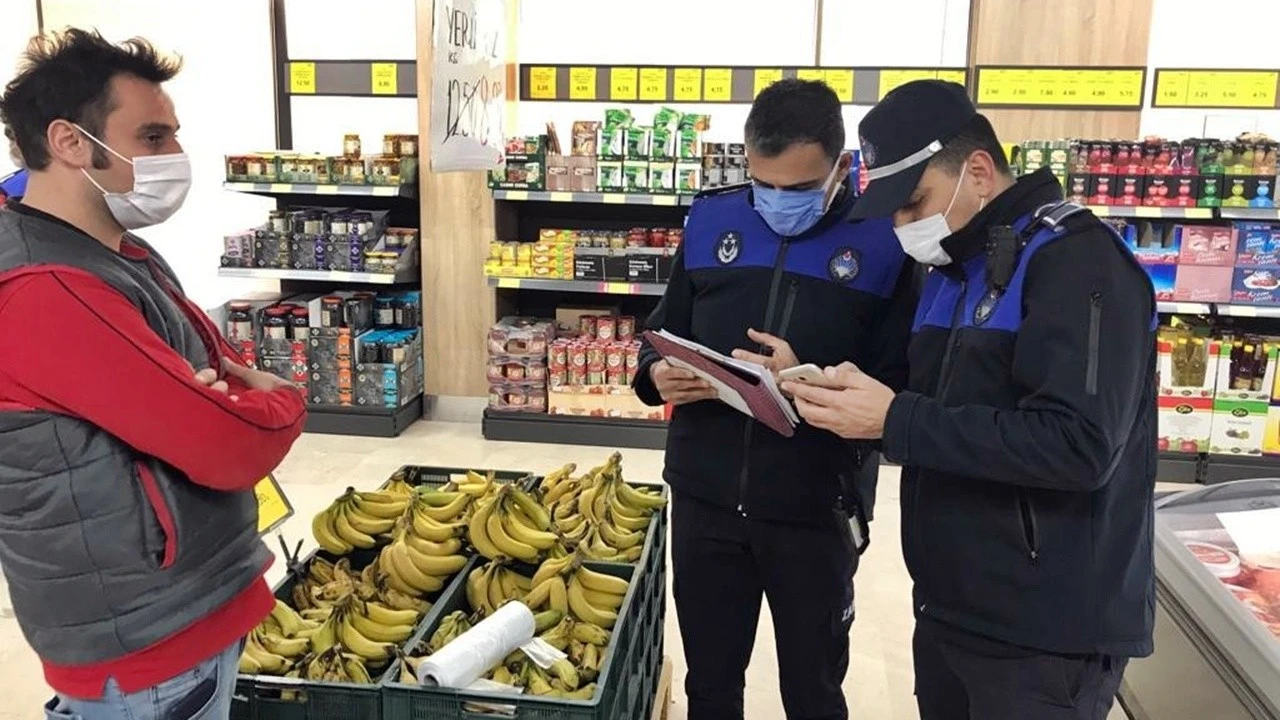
(67,76)
(976,135)
(791,112)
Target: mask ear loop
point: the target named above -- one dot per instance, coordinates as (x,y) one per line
(104,147)
(828,184)
(956,194)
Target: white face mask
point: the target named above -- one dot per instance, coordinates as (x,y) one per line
(160,185)
(923,238)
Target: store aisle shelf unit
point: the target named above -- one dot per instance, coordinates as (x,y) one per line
(579,286)
(401,191)
(598,198)
(403,277)
(570,430)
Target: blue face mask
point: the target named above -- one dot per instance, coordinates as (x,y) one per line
(791,212)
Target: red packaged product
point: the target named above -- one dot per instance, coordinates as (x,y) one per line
(557,378)
(616,357)
(633,357)
(578,356)
(626,330)
(658,237)
(596,357)
(595,377)
(558,357)
(674,238)
(578,376)
(606,328)
(515,371)
(615,376)
(587,327)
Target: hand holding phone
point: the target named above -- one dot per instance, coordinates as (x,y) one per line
(808,374)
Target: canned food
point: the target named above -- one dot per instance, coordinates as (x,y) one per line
(595,377)
(577,376)
(606,328)
(626,328)
(557,378)
(558,356)
(615,376)
(595,356)
(587,326)
(633,357)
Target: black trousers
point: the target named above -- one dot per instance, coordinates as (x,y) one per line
(723,564)
(960,676)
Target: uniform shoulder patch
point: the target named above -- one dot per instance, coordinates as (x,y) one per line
(844,265)
(728,247)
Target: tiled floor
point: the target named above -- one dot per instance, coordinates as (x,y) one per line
(320,467)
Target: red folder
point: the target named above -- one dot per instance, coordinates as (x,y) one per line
(747,387)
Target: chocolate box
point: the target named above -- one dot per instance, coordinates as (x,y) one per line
(1256,286)
(1202,283)
(1163,279)
(1207,245)
(1257,244)
(1152,243)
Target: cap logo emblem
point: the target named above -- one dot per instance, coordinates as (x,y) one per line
(844,265)
(868,151)
(728,247)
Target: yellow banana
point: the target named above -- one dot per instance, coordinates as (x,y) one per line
(439,565)
(530,507)
(559,595)
(586,503)
(407,677)
(516,523)
(381,509)
(365,523)
(392,576)
(446,513)
(495,595)
(409,573)
(452,546)
(326,637)
(397,600)
(555,477)
(284,647)
(270,663)
(584,610)
(608,601)
(586,692)
(478,531)
(538,683)
(510,590)
(475,490)
(249,666)
(550,568)
(632,554)
(398,487)
(320,570)
(384,615)
(476,588)
(349,534)
(287,618)
(565,509)
(322,527)
(617,538)
(502,675)
(571,523)
(565,489)
(567,673)
(538,596)
(428,528)
(438,498)
(590,634)
(506,544)
(626,518)
(355,669)
(357,643)
(632,497)
(378,632)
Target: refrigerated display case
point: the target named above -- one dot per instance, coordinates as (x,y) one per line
(1217,626)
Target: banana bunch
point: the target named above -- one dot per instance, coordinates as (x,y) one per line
(415,567)
(276,646)
(566,586)
(356,519)
(599,512)
(451,626)
(492,585)
(334,665)
(509,523)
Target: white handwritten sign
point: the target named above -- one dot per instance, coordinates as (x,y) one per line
(468,90)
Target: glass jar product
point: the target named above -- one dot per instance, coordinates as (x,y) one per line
(275,324)
(359,311)
(278,221)
(408,146)
(313,226)
(300,324)
(351,145)
(361,224)
(408,315)
(339,225)
(393,239)
(385,170)
(289,168)
(240,322)
(384,312)
(331,311)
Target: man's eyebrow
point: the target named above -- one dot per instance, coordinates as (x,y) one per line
(158,127)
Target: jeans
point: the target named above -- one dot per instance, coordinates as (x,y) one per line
(201,693)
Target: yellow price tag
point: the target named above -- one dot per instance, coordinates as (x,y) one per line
(542,83)
(1148,212)
(613,199)
(688,85)
(891,80)
(1063,87)
(764,77)
(326,189)
(560,197)
(653,84)
(623,83)
(1101,210)
(283,188)
(517,195)
(617,289)
(302,78)
(1171,88)
(810,74)
(717,85)
(508,283)
(955,76)
(273,507)
(384,78)
(664,199)
(1232,88)
(582,83)
(1198,213)
(841,81)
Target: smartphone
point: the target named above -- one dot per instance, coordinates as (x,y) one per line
(808,374)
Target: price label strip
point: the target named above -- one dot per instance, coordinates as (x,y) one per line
(273,507)
(1225,89)
(1059,87)
(542,83)
(582,83)
(302,78)
(383,78)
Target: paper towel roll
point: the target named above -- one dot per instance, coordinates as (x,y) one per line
(474,652)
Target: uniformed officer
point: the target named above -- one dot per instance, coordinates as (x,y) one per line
(1027,432)
(774,271)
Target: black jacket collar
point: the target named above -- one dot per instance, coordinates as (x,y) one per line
(1027,194)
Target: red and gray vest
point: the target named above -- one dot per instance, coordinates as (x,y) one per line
(93,574)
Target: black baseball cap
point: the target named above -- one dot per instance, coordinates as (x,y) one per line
(900,134)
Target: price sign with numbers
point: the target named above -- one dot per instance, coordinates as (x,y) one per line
(841,81)
(302,78)
(653,84)
(764,77)
(1061,87)
(810,74)
(542,83)
(1217,88)
(688,85)
(717,85)
(383,78)
(273,507)
(1171,88)
(582,83)
(623,83)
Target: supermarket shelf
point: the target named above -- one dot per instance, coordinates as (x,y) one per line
(595,197)
(1223,309)
(405,191)
(566,430)
(1153,213)
(1225,468)
(409,275)
(365,422)
(579,286)
(1179,468)
(1257,214)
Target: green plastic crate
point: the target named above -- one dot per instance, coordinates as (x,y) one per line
(258,697)
(612,700)
(430,475)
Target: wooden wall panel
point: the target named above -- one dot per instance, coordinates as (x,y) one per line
(1061,32)
(457,227)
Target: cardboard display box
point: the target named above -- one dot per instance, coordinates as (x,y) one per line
(1185,411)
(601,401)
